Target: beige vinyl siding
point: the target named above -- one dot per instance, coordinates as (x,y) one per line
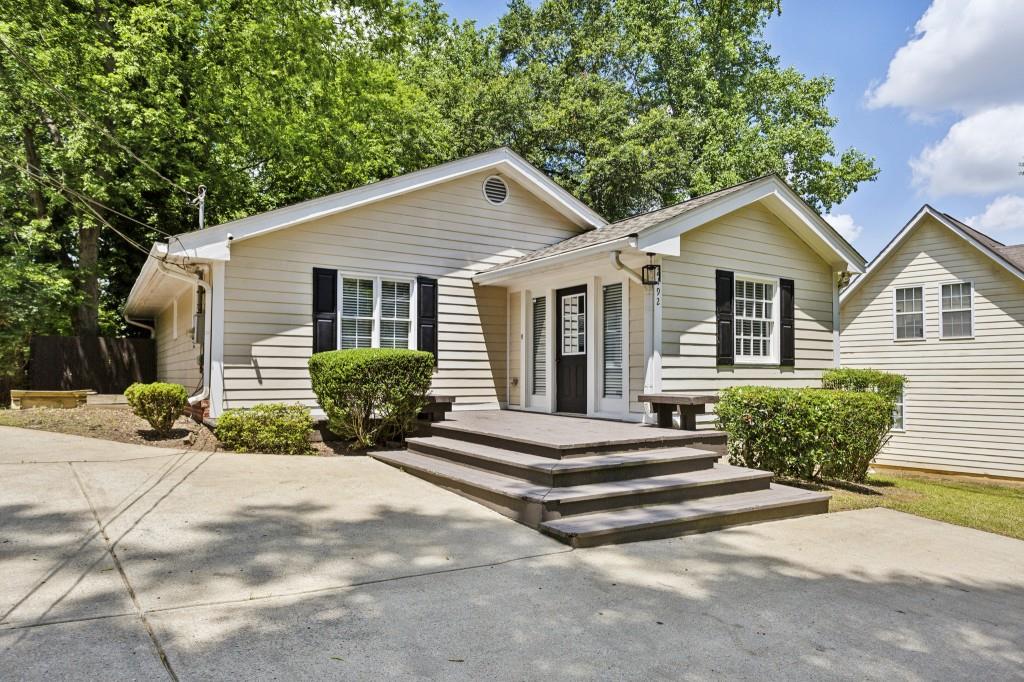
(515,334)
(177,359)
(751,241)
(965,398)
(449,232)
(637,366)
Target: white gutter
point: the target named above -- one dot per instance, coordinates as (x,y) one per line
(500,272)
(195,280)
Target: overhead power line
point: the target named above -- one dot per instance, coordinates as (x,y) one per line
(84,201)
(88,119)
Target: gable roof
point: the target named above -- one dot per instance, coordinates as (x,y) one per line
(212,242)
(648,224)
(1010,257)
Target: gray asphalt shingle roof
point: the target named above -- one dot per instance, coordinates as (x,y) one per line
(1013,254)
(623,228)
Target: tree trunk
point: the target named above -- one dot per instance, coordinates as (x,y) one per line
(86,319)
(32,162)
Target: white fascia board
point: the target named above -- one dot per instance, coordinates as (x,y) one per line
(143,281)
(504,274)
(661,238)
(902,236)
(204,243)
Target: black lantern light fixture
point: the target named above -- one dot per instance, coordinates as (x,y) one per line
(650,274)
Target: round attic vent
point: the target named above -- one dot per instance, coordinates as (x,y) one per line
(495,190)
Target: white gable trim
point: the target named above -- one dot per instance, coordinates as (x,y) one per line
(902,236)
(212,242)
(781,200)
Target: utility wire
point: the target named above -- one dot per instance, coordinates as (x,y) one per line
(59,185)
(101,128)
(64,189)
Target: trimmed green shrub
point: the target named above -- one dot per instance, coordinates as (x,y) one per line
(158,403)
(371,395)
(886,384)
(273,428)
(805,433)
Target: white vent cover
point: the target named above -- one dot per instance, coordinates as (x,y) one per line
(495,190)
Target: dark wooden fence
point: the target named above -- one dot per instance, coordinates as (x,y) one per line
(64,363)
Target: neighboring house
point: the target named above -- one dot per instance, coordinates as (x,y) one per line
(527,297)
(943,304)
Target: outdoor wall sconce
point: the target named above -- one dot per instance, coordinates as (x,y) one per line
(651,273)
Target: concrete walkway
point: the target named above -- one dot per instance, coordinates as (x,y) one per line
(129,562)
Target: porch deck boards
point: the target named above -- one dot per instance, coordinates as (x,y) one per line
(560,432)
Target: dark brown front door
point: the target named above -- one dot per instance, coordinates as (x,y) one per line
(571,358)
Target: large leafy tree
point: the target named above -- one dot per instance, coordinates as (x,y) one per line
(634,104)
(135,104)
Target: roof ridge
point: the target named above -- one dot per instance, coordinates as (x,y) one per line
(961,223)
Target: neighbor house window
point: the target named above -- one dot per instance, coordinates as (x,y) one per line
(956,310)
(898,414)
(375,313)
(908,316)
(756,328)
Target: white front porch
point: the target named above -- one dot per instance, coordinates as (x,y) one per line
(612,330)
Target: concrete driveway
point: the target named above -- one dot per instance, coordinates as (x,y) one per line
(129,562)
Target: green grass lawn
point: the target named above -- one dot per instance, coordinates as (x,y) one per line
(994,506)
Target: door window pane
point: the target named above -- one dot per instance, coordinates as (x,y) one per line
(574,324)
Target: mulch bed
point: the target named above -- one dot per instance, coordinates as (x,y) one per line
(121,425)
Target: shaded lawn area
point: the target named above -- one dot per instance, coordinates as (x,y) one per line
(993,506)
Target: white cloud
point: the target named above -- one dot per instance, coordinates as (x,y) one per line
(844,224)
(966,55)
(1003,214)
(979,155)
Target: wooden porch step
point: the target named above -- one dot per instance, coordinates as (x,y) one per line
(531,504)
(578,443)
(682,518)
(565,472)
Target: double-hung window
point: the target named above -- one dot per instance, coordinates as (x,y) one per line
(956,310)
(908,313)
(756,330)
(375,312)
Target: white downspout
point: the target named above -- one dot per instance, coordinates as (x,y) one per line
(141,325)
(619,265)
(195,280)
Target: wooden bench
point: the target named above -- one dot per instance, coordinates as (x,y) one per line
(437,407)
(689,406)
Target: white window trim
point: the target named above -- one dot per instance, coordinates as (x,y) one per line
(773,358)
(375,333)
(924,313)
(903,404)
(938,299)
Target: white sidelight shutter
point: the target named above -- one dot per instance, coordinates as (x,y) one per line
(539,347)
(612,340)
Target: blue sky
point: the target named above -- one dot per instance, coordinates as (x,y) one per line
(941,91)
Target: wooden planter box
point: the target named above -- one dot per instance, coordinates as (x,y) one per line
(22,400)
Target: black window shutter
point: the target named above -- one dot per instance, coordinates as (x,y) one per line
(787,316)
(325,309)
(724,291)
(426,319)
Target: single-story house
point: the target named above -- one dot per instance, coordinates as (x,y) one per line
(528,298)
(943,304)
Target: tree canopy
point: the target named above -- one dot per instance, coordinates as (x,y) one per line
(630,105)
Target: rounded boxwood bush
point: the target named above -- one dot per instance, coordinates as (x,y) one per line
(158,403)
(887,384)
(371,395)
(805,433)
(272,428)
